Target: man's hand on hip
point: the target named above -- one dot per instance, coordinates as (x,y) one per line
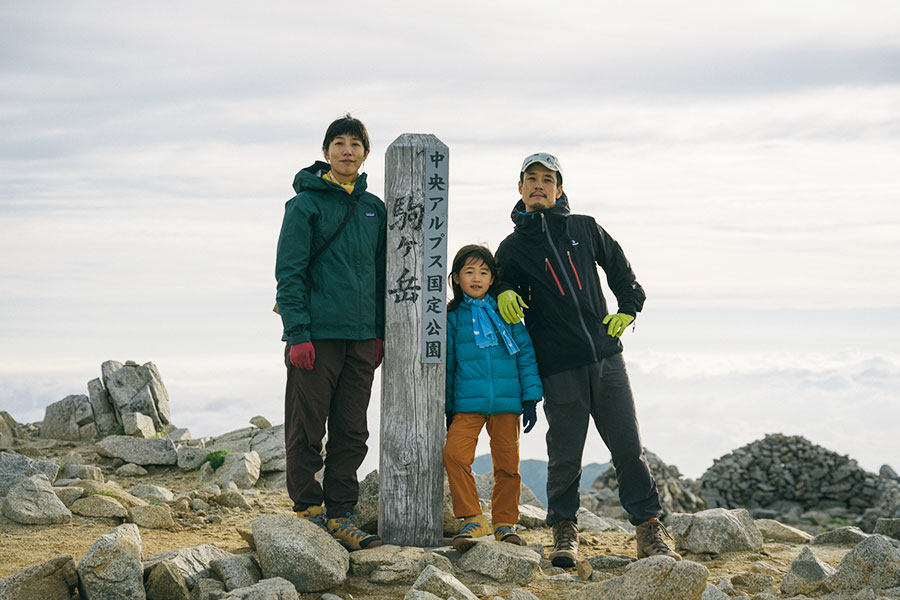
(617,323)
(303,355)
(511,305)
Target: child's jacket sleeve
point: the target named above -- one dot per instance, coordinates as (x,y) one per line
(526,361)
(451,362)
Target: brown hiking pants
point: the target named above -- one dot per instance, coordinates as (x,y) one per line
(459,453)
(334,393)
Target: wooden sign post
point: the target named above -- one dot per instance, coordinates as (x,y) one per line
(412,377)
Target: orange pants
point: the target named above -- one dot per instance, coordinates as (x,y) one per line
(459,453)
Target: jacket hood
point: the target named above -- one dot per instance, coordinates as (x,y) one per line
(522,220)
(310,178)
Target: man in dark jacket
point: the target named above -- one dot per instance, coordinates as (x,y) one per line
(550,260)
(330,270)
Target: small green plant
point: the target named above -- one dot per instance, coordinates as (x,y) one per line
(120,430)
(155,502)
(839,521)
(159,435)
(216,458)
(99,493)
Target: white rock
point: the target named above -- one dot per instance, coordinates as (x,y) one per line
(111,567)
(715,531)
(32,501)
(138,425)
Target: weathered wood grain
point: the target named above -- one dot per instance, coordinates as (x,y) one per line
(412,392)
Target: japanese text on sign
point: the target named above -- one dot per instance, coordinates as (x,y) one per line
(434,268)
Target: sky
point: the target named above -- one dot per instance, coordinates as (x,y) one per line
(745,156)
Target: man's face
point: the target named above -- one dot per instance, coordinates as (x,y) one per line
(346,155)
(538,188)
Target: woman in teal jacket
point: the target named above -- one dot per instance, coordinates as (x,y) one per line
(330,269)
(492,378)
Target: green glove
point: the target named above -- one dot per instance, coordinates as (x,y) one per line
(510,305)
(617,323)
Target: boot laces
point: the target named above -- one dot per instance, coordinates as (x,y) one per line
(469,528)
(318,519)
(653,536)
(349,528)
(565,533)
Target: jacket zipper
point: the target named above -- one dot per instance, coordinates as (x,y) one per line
(577,279)
(555,278)
(490,369)
(584,327)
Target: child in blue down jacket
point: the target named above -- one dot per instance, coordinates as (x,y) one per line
(492,378)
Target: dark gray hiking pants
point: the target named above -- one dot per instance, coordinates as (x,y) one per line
(600,391)
(335,392)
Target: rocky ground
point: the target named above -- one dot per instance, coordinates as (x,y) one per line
(232,523)
(22,546)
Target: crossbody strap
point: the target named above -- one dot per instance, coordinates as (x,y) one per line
(353,202)
(337,232)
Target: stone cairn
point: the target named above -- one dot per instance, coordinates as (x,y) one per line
(780,476)
(127,399)
(676,494)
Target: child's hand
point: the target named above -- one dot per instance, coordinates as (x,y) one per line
(529,415)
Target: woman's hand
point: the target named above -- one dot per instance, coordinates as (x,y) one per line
(303,355)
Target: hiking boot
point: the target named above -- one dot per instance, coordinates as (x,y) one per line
(345,530)
(565,544)
(506,532)
(472,527)
(314,514)
(649,540)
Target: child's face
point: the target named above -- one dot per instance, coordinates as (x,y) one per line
(474,278)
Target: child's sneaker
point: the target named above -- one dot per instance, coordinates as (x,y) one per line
(345,530)
(314,514)
(506,532)
(472,527)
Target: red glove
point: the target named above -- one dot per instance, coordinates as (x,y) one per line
(303,355)
(379,351)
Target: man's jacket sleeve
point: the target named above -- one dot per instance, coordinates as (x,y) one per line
(451,365)
(510,274)
(291,264)
(526,361)
(619,276)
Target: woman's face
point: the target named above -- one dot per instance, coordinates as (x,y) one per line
(346,155)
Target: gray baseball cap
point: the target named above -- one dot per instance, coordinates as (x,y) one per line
(548,160)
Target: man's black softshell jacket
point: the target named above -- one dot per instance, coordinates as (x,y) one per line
(551,261)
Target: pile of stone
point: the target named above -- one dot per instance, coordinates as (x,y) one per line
(127,410)
(790,478)
(676,494)
(36,491)
(127,398)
